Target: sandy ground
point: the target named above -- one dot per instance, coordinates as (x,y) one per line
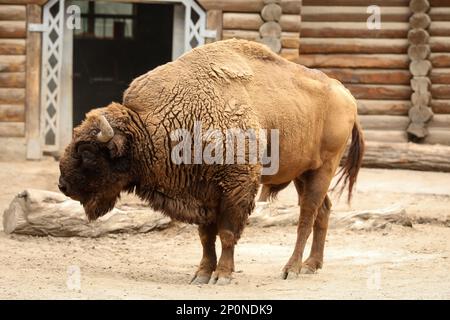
(395,262)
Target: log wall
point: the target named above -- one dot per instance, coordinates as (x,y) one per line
(275,23)
(12,70)
(372,64)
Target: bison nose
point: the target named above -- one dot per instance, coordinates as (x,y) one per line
(63,186)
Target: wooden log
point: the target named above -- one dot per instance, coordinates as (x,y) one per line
(214,22)
(440,121)
(383,122)
(439,28)
(42,213)
(353,45)
(290,22)
(12,96)
(438,136)
(417,130)
(12,47)
(352,13)
(271,12)
(419,21)
(253,21)
(439,3)
(274,43)
(421,84)
(420,115)
(12,29)
(440,44)
(420,68)
(390,3)
(243,21)
(440,91)
(382,61)
(383,107)
(440,60)
(388,136)
(12,129)
(419,52)
(440,106)
(290,54)
(369,76)
(33,84)
(409,156)
(353,30)
(290,40)
(12,79)
(12,113)
(439,14)
(271,29)
(240,34)
(417,6)
(418,36)
(38,2)
(288,6)
(372,92)
(12,12)
(12,63)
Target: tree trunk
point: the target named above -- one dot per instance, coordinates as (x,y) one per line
(40,212)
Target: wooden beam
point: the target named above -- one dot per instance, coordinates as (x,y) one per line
(12,80)
(12,29)
(353,45)
(12,113)
(288,6)
(253,21)
(409,156)
(388,3)
(352,13)
(33,86)
(381,61)
(12,12)
(12,46)
(439,28)
(383,122)
(439,14)
(353,30)
(388,136)
(440,91)
(12,63)
(440,60)
(373,91)
(12,129)
(240,34)
(383,107)
(440,121)
(440,44)
(369,76)
(440,106)
(214,22)
(290,40)
(12,96)
(438,136)
(440,75)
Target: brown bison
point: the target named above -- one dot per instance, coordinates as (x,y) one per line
(227,84)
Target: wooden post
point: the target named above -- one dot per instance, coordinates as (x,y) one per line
(420,67)
(33,85)
(214,22)
(270,30)
(66,107)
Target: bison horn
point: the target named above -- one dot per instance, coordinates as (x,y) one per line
(106,131)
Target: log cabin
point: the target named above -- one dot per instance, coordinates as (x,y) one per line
(60,58)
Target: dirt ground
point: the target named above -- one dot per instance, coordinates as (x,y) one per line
(389,263)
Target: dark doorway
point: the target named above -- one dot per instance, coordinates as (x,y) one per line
(117,42)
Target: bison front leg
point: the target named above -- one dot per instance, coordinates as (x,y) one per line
(208,263)
(225,267)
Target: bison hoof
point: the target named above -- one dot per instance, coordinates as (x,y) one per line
(200,279)
(289,275)
(307,270)
(220,280)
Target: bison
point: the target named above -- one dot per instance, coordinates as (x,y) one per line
(226,84)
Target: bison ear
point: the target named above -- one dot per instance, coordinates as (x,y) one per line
(117,145)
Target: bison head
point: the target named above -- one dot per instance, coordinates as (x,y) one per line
(96,165)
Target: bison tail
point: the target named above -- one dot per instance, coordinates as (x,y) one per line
(350,168)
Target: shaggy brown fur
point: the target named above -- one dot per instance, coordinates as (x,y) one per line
(227,84)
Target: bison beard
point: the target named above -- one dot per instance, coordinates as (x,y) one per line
(98,206)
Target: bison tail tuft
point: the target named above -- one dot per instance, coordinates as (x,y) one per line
(350,168)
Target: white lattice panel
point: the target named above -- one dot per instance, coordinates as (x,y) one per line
(53,21)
